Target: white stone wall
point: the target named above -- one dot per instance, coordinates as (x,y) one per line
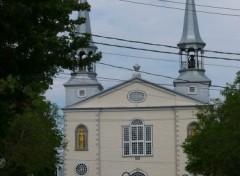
(104,156)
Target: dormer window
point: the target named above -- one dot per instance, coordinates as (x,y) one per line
(81,93)
(192,90)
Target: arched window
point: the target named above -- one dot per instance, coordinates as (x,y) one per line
(81,138)
(137,174)
(137,139)
(191,128)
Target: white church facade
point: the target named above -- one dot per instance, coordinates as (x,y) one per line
(137,127)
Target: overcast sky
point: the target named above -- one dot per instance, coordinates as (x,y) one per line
(161,25)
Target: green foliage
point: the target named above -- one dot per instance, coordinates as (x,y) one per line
(36,42)
(32,140)
(32,48)
(214,149)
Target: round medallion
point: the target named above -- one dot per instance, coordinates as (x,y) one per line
(81,169)
(137,96)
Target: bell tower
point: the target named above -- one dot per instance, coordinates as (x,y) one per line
(83,82)
(192,80)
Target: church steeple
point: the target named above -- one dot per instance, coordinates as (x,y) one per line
(192,80)
(86,27)
(191,35)
(83,82)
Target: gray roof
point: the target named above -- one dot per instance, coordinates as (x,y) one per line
(83,79)
(191,36)
(192,76)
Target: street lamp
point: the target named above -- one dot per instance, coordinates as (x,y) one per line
(126,174)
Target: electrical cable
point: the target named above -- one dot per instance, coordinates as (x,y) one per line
(162,45)
(158,51)
(158,59)
(162,6)
(200,5)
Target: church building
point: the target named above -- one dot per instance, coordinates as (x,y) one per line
(135,128)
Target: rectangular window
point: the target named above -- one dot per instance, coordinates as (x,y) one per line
(137,140)
(126,149)
(126,134)
(149,133)
(140,148)
(126,144)
(192,90)
(81,93)
(140,133)
(148,148)
(134,148)
(134,133)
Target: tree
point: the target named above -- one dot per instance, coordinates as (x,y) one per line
(213,150)
(33,140)
(37,40)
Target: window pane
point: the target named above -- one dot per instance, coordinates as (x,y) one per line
(137,174)
(134,133)
(137,122)
(140,133)
(140,148)
(126,149)
(148,148)
(134,148)
(148,133)
(126,134)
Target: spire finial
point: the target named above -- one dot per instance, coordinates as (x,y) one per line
(191,35)
(136,68)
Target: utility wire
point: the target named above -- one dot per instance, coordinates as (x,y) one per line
(200,5)
(176,8)
(165,60)
(153,74)
(162,45)
(158,51)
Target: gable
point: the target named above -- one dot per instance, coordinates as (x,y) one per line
(136,93)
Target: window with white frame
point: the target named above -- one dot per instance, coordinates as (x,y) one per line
(192,90)
(137,139)
(81,93)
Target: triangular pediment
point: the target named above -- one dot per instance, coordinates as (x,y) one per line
(136,93)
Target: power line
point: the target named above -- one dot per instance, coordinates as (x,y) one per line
(200,5)
(165,60)
(162,45)
(158,51)
(176,8)
(153,74)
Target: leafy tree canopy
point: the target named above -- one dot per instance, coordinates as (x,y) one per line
(32,45)
(32,141)
(37,40)
(213,150)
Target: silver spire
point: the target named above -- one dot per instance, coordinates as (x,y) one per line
(191,36)
(86,27)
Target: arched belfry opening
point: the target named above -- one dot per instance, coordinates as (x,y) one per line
(191,58)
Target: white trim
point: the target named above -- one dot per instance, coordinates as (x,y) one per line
(137,141)
(190,91)
(78,93)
